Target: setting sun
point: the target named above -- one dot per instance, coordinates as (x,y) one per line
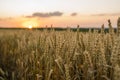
(30,24)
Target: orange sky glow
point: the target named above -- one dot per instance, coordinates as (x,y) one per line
(61,13)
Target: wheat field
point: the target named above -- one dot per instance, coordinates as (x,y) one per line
(60,55)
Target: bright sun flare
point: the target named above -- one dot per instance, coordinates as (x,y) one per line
(30,24)
(30,27)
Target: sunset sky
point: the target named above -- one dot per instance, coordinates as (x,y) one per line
(60,13)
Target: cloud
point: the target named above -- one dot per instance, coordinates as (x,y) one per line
(29,16)
(74,14)
(106,14)
(5,19)
(50,14)
(1,19)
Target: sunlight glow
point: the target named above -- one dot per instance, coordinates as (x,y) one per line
(30,26)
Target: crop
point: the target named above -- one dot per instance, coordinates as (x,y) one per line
(60,55)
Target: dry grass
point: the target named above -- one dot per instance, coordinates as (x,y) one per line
(59,55)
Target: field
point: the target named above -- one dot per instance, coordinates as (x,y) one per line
(60,55)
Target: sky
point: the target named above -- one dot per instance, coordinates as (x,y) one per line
(59,13)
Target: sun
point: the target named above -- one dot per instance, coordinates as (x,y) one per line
(30,26)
